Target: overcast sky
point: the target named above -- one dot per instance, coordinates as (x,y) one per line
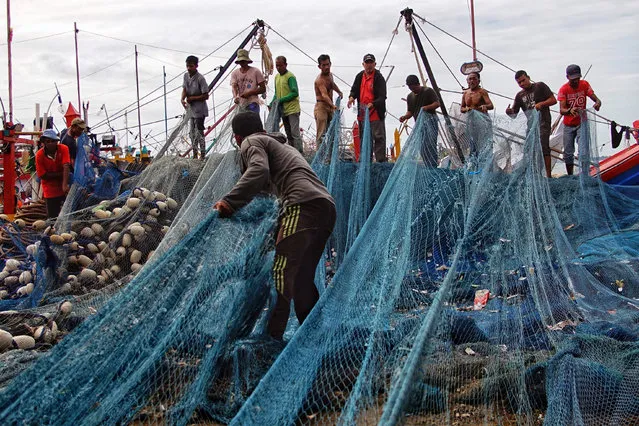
(541,37)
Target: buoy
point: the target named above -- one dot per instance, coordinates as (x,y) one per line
(114,237)
(97,228)
(39,225)
(137,230)
(87,232)
(84,260)
(25,290)
(66,236)
(165,229)
(20,223)
(25,277)
(133,202)
(12,265)
(126,240)
(121,251)
(161,205)
(171,203)
(135,267)
(136,256)
(65,308)
(93,248)
(159,196)
(23,342)
(6,340)
(88,274)
(102,214)
(117,211)
(57,239)
(32,249)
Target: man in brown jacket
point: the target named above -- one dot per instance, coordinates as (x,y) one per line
(306,222)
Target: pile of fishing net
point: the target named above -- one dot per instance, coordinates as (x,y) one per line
(482,293)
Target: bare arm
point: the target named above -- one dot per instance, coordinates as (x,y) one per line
(339,92)
(488,104)
(431,107)
(261,88)
(463,108)
(324,94)
(183,97)
(546,103)
(66,170)
(596,100)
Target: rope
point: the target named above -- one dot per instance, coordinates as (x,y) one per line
(412,49)
(440,56)
(464,43)
(395,32)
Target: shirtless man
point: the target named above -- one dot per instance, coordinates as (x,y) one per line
(475,97)
(324,86)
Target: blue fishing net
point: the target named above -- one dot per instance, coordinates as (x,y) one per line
(479,293)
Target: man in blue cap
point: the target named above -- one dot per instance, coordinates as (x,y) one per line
(53,166)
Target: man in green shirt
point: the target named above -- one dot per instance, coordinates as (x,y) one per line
(287,94)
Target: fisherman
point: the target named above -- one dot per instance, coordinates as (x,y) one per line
(535,96)
(306,222)
(287,94)
(195,92)
(572,101)
(424,99)
(369,89)
(53,167)
(324,87)
(476,98)
(247,82)
(78,126)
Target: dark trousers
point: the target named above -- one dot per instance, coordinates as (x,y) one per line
(54,205)
(378,135)
(303,231)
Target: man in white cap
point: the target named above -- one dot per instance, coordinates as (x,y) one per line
(572,100)
(73,133)
(53,167)
(247,83)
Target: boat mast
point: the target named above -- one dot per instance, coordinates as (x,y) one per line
(9,37)
(137,87)
(408,16)
(472,26)
(166,125)
(77,62)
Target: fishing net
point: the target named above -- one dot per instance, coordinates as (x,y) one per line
(480,293)
(464,301)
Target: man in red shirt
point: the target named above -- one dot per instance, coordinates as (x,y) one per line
(369,89)
(53,166)
(572,101)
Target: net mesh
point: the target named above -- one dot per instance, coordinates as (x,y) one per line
(473,293)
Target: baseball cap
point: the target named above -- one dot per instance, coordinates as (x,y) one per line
(369,57)
(573,71)
(79,122)
(50,134)
(412,80)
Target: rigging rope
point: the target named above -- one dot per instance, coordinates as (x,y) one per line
(395,32)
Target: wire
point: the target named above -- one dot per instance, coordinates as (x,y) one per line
(137,43)
(438,54)
(71,82)
(143,124)
(464,43)
(391,41)
(302,52)
(35,38)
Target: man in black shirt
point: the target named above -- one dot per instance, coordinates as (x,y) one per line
(69,139)
(535,96)
(423,99)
